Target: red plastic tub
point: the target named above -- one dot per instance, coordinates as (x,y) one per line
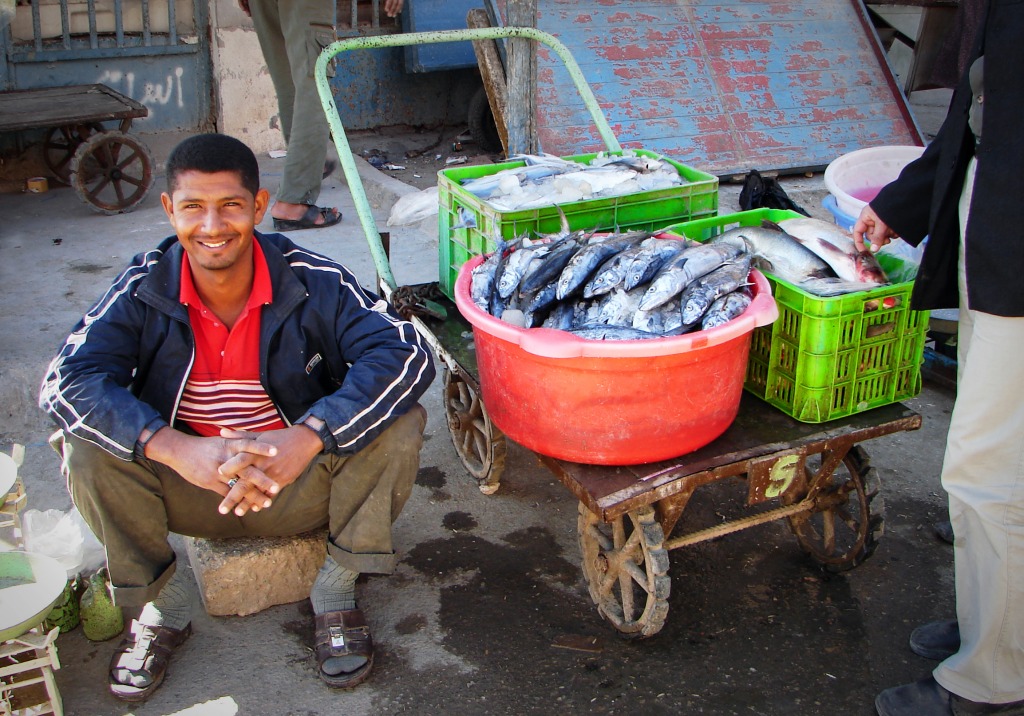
(612,402)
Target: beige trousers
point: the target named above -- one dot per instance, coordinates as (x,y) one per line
(133,506)
(983,473)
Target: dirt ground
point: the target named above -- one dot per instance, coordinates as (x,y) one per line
(420,153)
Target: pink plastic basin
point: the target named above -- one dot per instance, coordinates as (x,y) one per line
(612,402)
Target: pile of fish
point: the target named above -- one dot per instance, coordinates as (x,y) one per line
(545,180)
(632,286)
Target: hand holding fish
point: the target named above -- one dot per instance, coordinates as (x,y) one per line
(870,226)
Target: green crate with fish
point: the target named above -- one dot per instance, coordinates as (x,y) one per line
(843,343)
(613,190)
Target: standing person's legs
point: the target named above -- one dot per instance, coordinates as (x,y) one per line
(267,21)
(291,35)
(308,27)
(983,473)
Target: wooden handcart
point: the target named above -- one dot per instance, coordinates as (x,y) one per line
(816,477)
(109,169)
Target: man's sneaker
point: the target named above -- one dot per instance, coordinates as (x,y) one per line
(944,531)
(938,640)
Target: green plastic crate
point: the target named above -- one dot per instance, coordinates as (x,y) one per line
(826,358)
(642,210)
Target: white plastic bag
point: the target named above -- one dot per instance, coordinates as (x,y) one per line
(414,207)
(64,537)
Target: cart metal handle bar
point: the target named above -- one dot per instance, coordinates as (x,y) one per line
(362,205)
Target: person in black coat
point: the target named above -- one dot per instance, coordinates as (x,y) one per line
(962,194)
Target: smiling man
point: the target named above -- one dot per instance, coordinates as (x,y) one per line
(231,384)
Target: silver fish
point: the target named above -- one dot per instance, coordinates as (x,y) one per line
(685,268)
(836,248)
(613,271)
(665,318)
(560,317)
(602,332)
(699,295)
(833,286)
(543,297)
(552,264)
(647,262)
(482,277)
(777,252)
(586,260)
(618,307)
(516,266)
(726,308)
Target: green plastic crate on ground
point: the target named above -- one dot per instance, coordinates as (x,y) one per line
(826,358)
(641,210)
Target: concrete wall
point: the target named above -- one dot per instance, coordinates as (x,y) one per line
(372,87)
(245,105)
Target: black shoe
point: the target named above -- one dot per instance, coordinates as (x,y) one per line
(927,698)
(937,640)
(944,531)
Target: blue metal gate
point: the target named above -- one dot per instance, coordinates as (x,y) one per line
(154,51)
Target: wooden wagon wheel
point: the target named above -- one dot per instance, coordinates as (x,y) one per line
(848,517)
(479,444)
(626,567)
(112,172)
(60,145)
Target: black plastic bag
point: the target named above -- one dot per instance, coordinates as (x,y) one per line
(765,193)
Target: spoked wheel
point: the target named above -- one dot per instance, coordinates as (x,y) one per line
(112,172)
(60,145)
(626,567)
(479,444)
(848,517)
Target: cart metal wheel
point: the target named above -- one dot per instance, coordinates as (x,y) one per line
(479,444)
(60,145)
(112,172)
(848,517)
(626,567)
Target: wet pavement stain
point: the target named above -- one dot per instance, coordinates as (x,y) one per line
(431,477)
(459,521)
(411,624)
(84,267)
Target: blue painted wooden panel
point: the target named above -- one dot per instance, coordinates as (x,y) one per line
(430,15)
(724,86)
(372,89)
(174,88)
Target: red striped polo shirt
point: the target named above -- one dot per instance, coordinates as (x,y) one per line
(223,388)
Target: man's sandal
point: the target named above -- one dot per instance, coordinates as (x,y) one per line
(327,217)
(344,648)
(144,655)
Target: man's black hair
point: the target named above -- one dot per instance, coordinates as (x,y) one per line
(211,153)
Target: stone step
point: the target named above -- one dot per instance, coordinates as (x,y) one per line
(246,575)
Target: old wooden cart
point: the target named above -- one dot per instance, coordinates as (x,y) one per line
(816,477)
(110,170)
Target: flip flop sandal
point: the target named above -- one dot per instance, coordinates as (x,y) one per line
(308,220)
(343,635)
(145,653)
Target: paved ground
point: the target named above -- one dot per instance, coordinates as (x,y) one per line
(489,588)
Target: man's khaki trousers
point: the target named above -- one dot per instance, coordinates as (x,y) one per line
(133,506)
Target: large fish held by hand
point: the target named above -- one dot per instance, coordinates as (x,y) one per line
(777,252)
(836,248)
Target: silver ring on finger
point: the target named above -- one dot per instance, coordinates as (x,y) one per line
(232,481)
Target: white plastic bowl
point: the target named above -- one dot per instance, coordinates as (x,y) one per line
(865,169)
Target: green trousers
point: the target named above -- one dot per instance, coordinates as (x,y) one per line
(292,33)
(133,506)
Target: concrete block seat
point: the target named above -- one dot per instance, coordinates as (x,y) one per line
(246,575)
